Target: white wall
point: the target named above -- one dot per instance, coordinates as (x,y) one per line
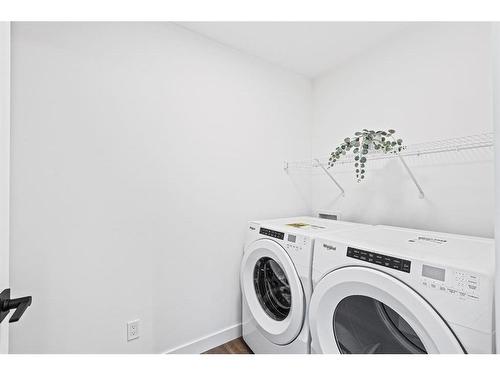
(4,171)
(430,83)
(139,151)
(496,118)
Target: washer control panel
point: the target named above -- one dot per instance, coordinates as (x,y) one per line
(291,241)
(295,242)
(272,233)
(380,259)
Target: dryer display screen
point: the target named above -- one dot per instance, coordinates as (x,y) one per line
(272,233)
(433,272)
(380,259)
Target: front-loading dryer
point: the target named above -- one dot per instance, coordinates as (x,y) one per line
(276,282)
(394,290)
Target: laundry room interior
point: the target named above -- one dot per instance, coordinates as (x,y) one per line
(248,187)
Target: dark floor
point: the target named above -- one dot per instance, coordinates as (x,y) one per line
(236,346)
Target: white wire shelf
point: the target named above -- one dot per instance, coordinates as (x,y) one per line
(425,148)
(458,144)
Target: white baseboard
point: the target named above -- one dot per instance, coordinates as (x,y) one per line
(208,342)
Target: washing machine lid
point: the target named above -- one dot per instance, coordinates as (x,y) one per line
(362,310)
(273,291)
(308,226)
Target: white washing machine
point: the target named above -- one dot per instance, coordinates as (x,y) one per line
(394,290)
(276,282)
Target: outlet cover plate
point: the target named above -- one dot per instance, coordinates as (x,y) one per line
(133,330)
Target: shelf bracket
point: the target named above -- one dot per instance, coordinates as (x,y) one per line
(421,192)
(318,164)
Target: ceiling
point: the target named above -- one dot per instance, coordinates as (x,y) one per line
(307,48)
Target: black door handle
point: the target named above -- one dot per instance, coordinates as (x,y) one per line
(7,304)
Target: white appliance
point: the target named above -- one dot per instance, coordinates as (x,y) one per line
(394,290)
(276,282)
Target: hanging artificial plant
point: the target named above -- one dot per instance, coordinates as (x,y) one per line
(361,143)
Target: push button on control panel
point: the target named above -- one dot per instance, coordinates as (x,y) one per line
(382,260)
(405,265)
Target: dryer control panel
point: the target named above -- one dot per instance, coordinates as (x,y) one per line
(380,259)
(460,284)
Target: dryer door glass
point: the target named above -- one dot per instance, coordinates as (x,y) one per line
(272,288)
(364,325)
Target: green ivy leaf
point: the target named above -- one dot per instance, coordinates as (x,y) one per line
(360,145)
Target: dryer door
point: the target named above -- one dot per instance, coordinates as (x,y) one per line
(273,291)
(362,310)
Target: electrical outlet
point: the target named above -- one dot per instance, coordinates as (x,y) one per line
(133,330)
